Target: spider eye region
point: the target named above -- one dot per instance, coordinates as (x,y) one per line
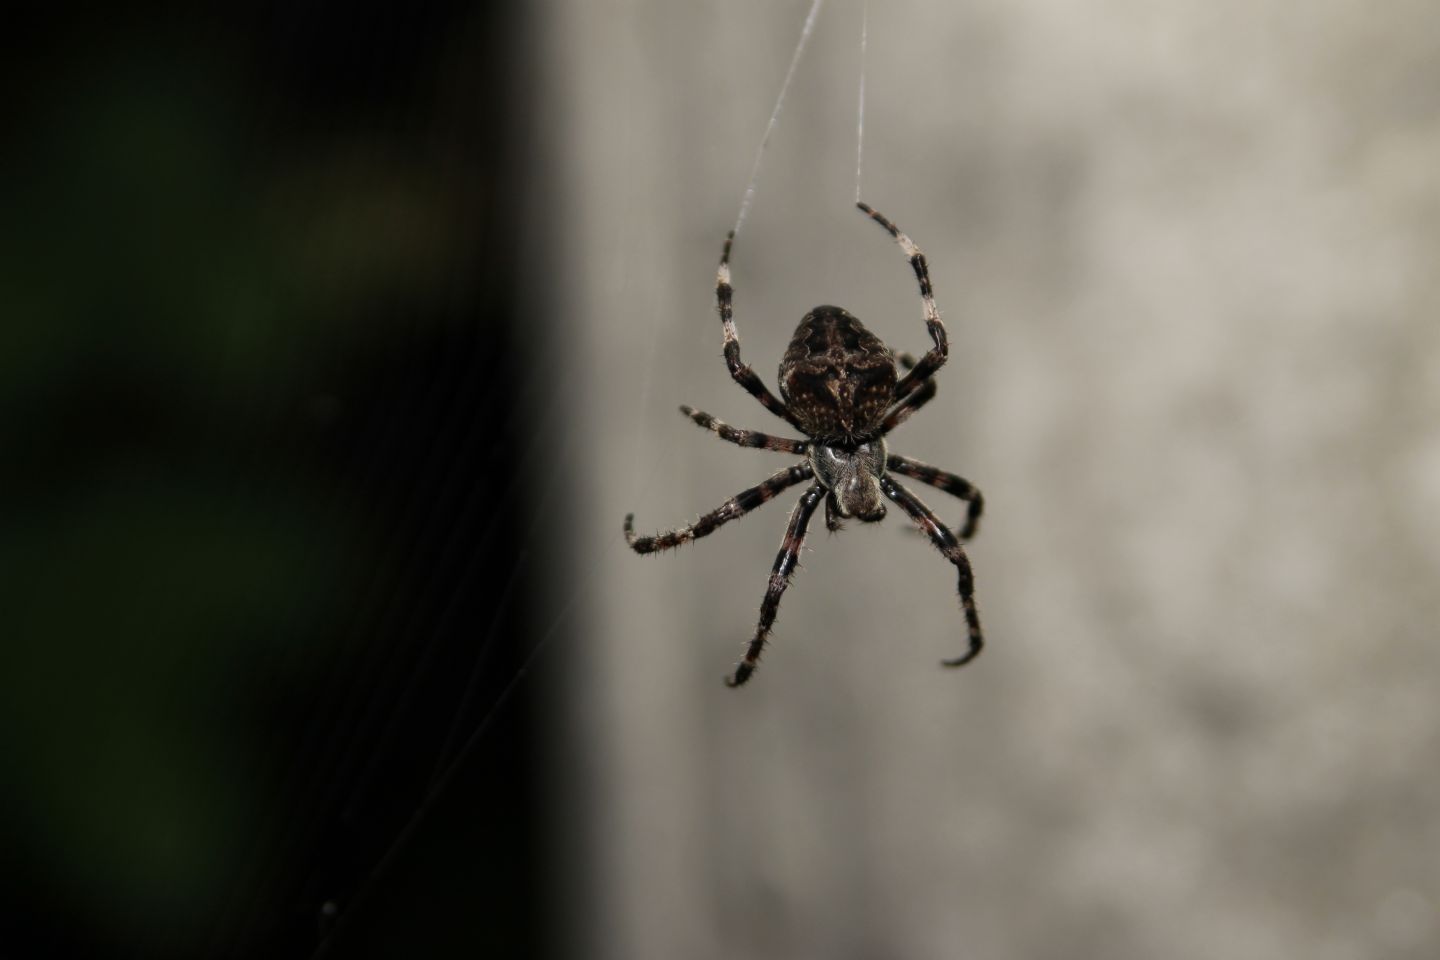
(853,478)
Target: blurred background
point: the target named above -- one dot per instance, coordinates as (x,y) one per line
(337,341)
(268,460)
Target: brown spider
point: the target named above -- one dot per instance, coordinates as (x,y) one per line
(841,391)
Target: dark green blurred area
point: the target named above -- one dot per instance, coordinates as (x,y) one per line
(239,306)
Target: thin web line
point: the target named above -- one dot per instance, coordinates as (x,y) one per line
(860,106)
(805,32)
(432,796)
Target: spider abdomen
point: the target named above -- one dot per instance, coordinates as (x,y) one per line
(836,377)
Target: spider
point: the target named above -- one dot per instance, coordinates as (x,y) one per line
(841,391)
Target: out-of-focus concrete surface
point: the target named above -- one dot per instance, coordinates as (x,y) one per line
(1187,256)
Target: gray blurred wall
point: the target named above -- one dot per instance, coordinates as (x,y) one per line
(1186,253)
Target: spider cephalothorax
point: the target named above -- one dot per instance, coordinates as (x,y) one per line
(841,390)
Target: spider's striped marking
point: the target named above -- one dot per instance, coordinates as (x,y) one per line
(725,295)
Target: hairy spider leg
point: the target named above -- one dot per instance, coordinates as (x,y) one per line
(950,548)
(935,358)
(742,437)
(737,506)
(747,378)
(943,480)
(905,408)
(785,563)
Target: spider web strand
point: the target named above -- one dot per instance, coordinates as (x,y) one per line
(805,32)
(860,105)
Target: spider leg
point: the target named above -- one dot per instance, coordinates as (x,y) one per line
(946,543)
(942,480)
(780,574)
(902,411)
(743,375)
(737,506)
(744,438)
(935,358)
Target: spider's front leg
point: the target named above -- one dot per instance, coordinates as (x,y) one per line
(780,574)
(948,546)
